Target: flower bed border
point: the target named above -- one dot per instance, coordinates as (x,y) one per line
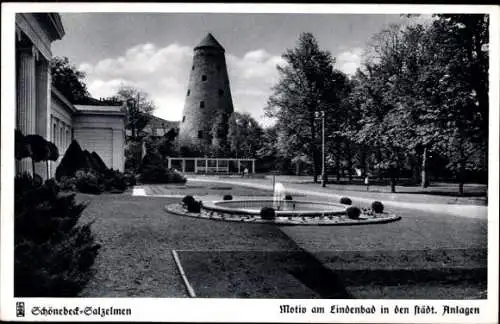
(383,218)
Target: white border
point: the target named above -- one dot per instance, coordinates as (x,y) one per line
(235,310)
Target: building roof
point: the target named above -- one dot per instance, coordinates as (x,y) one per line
(209,41)
(157,122)
(106,110)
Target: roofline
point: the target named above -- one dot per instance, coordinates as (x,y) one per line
(63,99)
(57,25)
(99,112)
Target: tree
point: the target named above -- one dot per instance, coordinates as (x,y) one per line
(461,47)
(306,85)
(54,250)
(244,135)
(68,80)
(219,135)
(139,108)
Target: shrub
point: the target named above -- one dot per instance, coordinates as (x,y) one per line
(76,159)
(288,197)
(53,252)
(88,182)
(130,179)
(155,170)
(377,207)
(187,200)
(267,213)
(227,197)
(345,201)
(67,184)
(353,212)
(194,206)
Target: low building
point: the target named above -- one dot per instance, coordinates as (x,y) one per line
(157,127)
(42,110)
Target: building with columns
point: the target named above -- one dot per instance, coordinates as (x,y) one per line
(42,110)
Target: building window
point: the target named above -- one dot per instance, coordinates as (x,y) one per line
(203,78)
(192,69)
(183,118)
(221,92)
(200,134)
(189,91)
(202,104)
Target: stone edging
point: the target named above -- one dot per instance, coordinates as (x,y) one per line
(335,221)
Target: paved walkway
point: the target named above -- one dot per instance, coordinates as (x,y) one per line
(451,209)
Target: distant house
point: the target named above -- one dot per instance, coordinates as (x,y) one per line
(157,127)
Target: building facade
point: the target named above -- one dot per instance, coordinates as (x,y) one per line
(208,93)
(42,110)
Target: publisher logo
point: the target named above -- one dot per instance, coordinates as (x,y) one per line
(20,309)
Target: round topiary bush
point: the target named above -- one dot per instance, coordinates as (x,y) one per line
(227,197)
(288,197)
(345,201)
(194,206)
(353,212)
(187,200)
(377,207)
(267,213)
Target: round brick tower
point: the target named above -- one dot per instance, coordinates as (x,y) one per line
(208,94)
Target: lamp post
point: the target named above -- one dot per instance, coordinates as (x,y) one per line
(321,114)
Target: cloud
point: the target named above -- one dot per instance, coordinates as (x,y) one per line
(350,60)
(164,74)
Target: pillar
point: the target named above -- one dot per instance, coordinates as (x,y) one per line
(253,166)
(42,117)
(195,165)
(239,166)
(183,165)
(169,163)
(26,99)
(206,166)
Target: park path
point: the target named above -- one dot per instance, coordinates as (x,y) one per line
(461,210)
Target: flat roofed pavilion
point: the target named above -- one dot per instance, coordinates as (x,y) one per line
(211,165)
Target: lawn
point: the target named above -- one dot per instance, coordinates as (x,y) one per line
(421,256)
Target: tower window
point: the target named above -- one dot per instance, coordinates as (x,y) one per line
(200,134)
(189,91)
(183,118)
(192,69)
(202,104)
(221,92)
(203,78)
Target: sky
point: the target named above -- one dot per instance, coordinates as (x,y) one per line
(153,51)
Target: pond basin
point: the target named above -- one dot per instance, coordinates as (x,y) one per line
(286,208)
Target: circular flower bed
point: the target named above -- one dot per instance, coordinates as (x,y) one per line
(367,216)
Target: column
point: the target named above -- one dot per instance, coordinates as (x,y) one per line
(239,165)
(118,153)
(253,166)
(195,165)
(169,161)
(183,165)
(217,165)
(26,98)
(206,166)
(42,119)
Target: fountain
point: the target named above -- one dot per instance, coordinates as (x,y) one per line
(279,196)
(288,211)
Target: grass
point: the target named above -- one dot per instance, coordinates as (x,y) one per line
(226,259)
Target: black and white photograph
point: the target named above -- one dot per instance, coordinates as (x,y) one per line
(243,155)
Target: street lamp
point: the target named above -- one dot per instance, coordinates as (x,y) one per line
(321,114)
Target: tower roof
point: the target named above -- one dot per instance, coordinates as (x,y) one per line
(209,41)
